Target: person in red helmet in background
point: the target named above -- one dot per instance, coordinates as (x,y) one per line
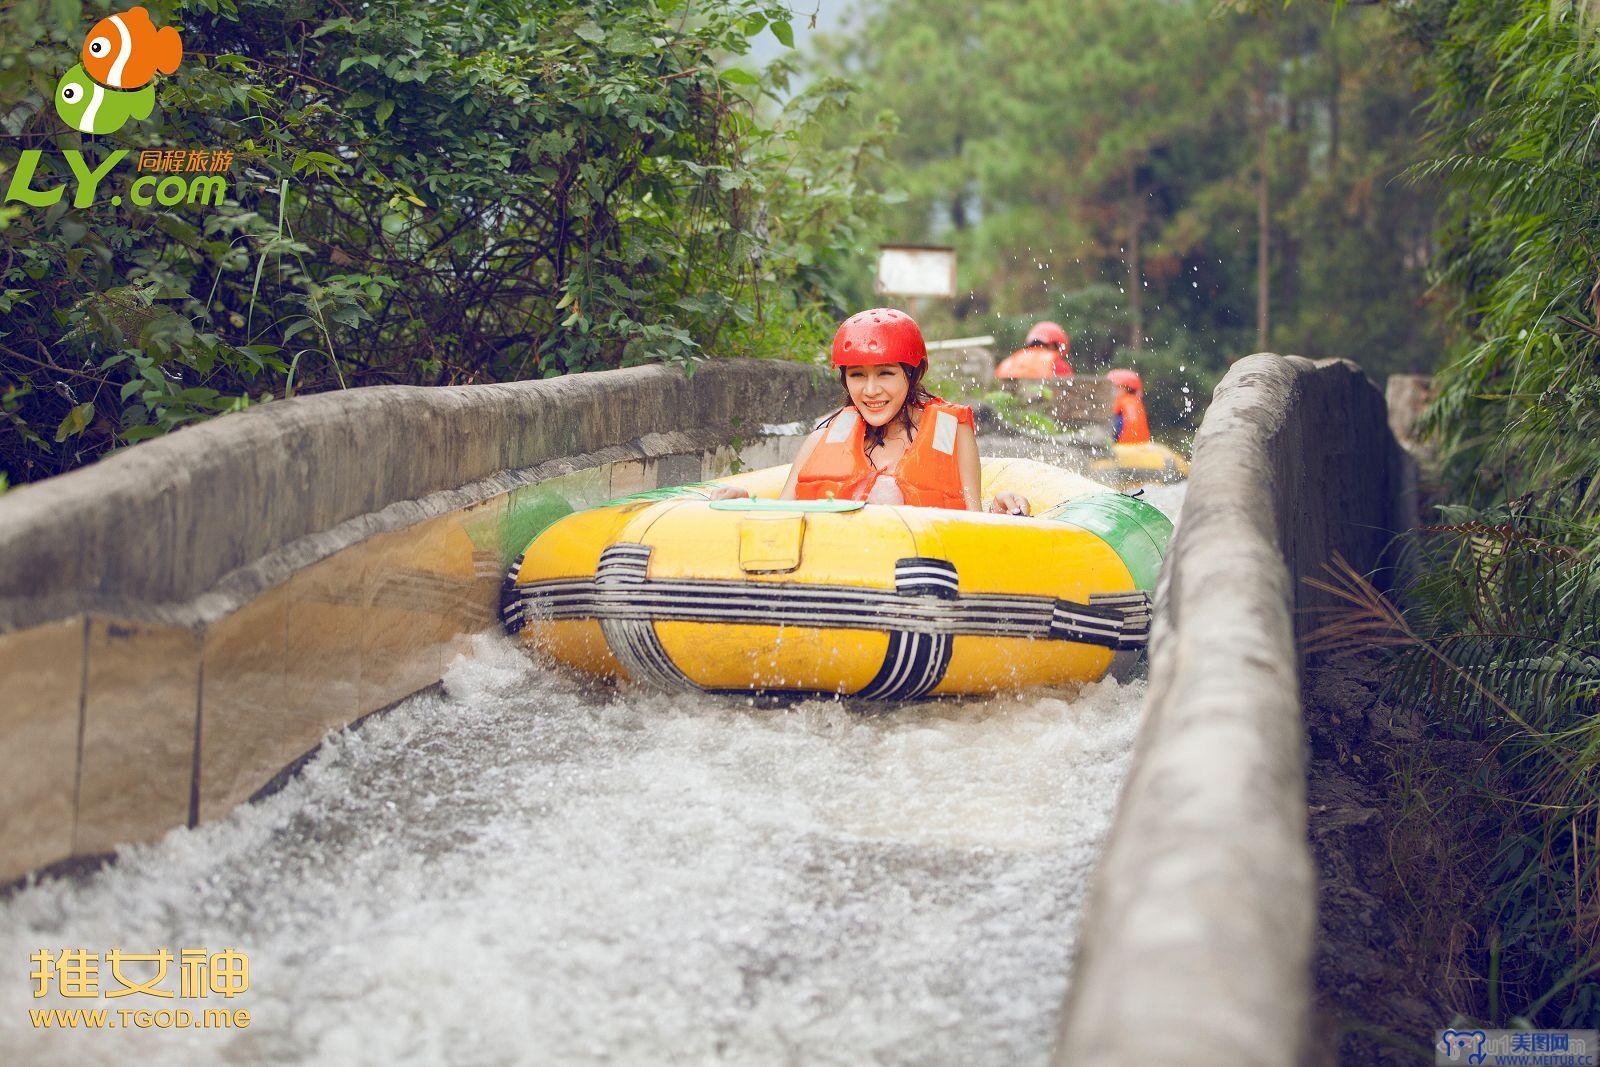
(1042,355)
(1128,420)
(892,442)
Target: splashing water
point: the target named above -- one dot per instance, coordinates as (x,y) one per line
(1167,498)
(529,868)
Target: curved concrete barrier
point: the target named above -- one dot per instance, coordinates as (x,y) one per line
(181,620)
(1197,941)
(164,522)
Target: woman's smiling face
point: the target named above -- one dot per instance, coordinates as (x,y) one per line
(878,392)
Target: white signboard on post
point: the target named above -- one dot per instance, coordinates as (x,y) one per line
(916,270)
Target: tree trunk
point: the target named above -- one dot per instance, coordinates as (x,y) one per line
(1335,90)
(958,202)
(1263,223)
(1135,267)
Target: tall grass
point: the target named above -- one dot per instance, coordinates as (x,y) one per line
(1498,648)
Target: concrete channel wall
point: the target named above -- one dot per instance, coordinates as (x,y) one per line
(181,620)
(1197,941)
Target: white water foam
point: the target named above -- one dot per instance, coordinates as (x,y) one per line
(527,868)
(1167,497)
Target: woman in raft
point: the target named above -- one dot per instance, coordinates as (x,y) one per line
(894,442)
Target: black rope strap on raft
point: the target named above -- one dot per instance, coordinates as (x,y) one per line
(1118,621)
(624,570)
(915,662)
(925,600)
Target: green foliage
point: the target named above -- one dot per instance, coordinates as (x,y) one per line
(1499,641)
(1099,167)
(1013,410)
(1515,91)
(429,193)
(1513,612)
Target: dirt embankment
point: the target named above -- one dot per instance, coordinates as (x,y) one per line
(1379,967)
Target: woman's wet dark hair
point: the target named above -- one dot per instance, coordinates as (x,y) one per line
(916,396)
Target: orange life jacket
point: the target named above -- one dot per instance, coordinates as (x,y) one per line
(1034,362)
(1135,426)
(928,475)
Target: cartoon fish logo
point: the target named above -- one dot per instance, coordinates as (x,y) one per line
(112,84)
(90,107)
(125,51)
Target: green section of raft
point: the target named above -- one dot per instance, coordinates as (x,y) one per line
(757,504)
(1136,531)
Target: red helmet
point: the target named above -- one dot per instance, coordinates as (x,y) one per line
(1127,379)
(1048,334)
(879,336)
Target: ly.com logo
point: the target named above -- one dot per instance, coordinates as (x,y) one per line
(112,84)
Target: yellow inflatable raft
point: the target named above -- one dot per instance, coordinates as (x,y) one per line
(676,591)
(1146,461)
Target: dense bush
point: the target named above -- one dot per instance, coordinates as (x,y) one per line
(1498,635)
(1515,90)
(421,192)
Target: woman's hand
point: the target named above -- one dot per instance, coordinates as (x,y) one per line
(726,492)
(1009,504)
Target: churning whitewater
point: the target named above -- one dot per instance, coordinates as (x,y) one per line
(529,868)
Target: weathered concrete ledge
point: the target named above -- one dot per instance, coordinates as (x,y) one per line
(166,521)
(1197,941)
(180,621)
